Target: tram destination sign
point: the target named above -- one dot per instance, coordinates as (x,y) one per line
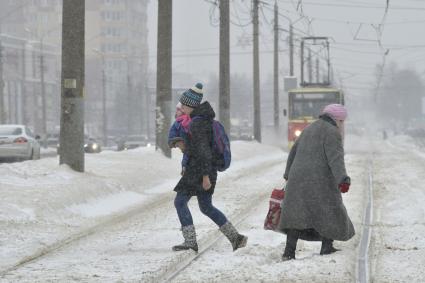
(329,95)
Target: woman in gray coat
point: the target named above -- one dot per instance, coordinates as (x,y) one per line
(315,170)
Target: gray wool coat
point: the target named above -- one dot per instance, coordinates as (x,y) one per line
(314,169)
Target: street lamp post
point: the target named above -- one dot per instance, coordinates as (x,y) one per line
(291,42)
(129,97)
(43,95)
(104,117)
(42,81)
(2,113)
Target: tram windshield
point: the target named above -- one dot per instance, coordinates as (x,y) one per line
(303,105)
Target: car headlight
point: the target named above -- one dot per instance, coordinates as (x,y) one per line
(297,133)
(94,146)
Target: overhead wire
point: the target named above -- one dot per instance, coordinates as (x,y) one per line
(358,6)
(301,33)
(239,23)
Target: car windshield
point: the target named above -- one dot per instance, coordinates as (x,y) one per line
(10,131)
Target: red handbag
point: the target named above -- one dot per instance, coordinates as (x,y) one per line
(273,216)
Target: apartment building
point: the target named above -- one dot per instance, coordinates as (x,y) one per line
(116,44)
(30,39)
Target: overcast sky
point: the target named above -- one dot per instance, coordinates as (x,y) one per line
(351,24)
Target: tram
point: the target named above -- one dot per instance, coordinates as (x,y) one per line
(306,102)
(305,105)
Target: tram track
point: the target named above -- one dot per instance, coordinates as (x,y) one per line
(399,211)
(362,273)
(362,265)
(211,240)
(365,259)
(174,264)
(155,204)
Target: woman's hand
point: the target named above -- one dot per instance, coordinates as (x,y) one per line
(206,184)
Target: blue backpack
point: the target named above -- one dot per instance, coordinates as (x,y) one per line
(221,145)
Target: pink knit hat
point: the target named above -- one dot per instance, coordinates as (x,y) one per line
(337,111)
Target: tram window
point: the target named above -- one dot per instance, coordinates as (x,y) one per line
(309,104)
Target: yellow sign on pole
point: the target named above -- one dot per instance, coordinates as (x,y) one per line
(70,83)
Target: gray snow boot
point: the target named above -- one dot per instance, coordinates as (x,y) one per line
(237,240)
(189,236)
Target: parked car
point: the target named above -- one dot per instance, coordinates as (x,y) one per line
(90,146)
(17,142)
(132,141)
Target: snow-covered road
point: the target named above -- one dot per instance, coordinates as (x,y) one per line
(124,203)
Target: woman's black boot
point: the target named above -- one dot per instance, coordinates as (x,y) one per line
(291,245)
(327,247)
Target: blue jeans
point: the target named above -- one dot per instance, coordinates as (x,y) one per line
(205,205)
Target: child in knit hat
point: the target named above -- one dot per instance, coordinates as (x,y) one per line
(200,176)
(178,132)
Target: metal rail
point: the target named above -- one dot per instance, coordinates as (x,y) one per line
(212,239)
(85,232)
(120,217)
(362,266)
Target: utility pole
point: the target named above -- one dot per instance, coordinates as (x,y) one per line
(104,116)
(16,104)
(43,95)
(291,50)
(224,79)
(256,73)
(2,114)
(302,63)
(276,67)
(310,67)
(9,102)
(24,88)
(164,75)
(148,112)
(317,71)
(129,99)
(72,93)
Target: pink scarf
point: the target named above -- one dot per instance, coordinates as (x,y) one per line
(184,120)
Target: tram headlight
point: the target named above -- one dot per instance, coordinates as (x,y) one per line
(297,133)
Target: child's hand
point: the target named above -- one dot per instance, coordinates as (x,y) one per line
(206,184)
